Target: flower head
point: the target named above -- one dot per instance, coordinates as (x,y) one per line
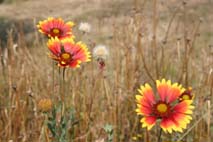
(100,51)
(186,95)
(173,114)
(68,53)
(45,105)
(55,27)
(84,27)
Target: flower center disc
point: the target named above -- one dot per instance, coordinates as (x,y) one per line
(56,31)
(186,97)
(162,108)
(65,56)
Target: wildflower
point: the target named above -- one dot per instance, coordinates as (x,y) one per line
(45,105)
(100,53)
(172,114)
(84,27)
(55,27)
(186,95)
(68,53)
(100,140)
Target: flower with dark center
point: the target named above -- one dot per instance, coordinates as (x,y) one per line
(164,106)
(56,27)
(186,95)
(68,53)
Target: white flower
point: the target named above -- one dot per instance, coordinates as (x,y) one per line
(100,140)
(84,27)
(100,51)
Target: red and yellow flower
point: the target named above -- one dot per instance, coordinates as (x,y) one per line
(174,115)
(55,27)
(186,95)
(68,53)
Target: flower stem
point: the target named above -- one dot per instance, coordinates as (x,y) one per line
(53,75)
(159,136)
(63,92)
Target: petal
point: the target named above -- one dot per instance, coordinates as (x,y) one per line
(163,88)
(148,121)
(179,122)
(184,107)
(173,93)
(148,93)
(146,111)
(83,54)
(68,45)
(167,124)
(143,101)
(54,46)
(74,64)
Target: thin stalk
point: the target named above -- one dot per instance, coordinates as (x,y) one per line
(186,47)
(143,58)
(208,120)
(106,91)
(154,41)
(136,5)
(63,91)
(53,74)
(194,36)
(159,135)
(184,72)
(59,80)
(162,62)
(147,136)
(46,128)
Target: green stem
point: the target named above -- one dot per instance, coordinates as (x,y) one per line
(53,73)
(63,91)
(159,136)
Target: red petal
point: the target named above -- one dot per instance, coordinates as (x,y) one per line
(73,64)
(146,110)
(181,107)
(162,90)
(145,102)
(150,120)
(173,94)
(166,122)
(175,119)
(81,55)
(68,47)
(148,94)
(55,48)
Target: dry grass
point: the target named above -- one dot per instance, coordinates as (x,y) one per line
(174,43)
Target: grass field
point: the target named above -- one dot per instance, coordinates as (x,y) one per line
(146,40)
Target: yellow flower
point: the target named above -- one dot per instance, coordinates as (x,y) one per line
(45,105)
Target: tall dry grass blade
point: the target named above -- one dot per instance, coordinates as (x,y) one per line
(139,45)
(154,38)
(208,120)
